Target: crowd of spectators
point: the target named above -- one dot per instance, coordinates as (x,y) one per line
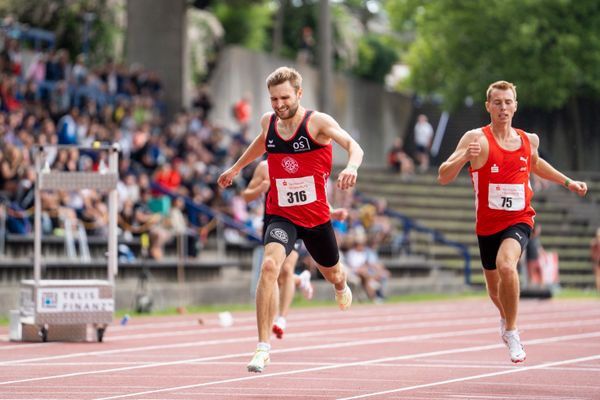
(47,98)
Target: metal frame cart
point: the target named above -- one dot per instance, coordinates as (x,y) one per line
(67,309)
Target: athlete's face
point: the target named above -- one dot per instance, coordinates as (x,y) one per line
(502,105)
(284,100)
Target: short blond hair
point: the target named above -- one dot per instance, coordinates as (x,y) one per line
(284,74)
(500,85)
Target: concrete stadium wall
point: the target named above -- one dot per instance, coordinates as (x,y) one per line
(372,115)
(156,38)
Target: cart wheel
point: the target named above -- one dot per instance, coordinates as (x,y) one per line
(100,333)
(43,333)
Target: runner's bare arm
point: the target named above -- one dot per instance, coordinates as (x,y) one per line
(327,128)
(543,169)
(259,183)
(468,149)
(255,150)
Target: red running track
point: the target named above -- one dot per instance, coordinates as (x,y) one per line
(434,350)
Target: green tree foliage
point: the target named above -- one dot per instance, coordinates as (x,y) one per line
(66,19)
(549,48)
(376,56)
(246,23)
(297,15)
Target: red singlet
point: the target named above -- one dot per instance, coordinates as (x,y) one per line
(298,170)
(502,189)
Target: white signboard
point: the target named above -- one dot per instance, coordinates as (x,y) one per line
(51,300)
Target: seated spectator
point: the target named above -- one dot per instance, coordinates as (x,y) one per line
(137,220)
(399,161)
(359,263)
(67,127)
(242,110)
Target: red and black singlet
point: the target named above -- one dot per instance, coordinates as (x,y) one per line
(298,171)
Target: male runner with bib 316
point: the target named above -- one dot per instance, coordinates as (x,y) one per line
(501,158)
(299,148)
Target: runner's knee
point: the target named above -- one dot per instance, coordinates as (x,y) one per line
(270,268)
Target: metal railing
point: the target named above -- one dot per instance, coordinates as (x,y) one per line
(409,225)
(209,212)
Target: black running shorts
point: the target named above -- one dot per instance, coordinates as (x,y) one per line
(319,240)
(489,245)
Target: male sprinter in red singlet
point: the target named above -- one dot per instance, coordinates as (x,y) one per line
(501,158)
(298,143)
(287,281)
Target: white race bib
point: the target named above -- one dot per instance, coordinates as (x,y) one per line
(507,197)
(296,191)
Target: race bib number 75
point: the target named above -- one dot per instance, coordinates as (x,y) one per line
(507,197)
(296,191)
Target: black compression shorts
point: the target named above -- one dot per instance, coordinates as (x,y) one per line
(319,240)
(489,245)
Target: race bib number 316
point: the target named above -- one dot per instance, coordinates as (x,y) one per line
(296,191)
(507,197)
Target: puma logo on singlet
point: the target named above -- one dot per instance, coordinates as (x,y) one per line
(524,159)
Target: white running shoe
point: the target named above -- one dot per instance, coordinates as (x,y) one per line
(502,329)
(259,361)
(279,327)
(515,348)
(305,285)
(344,298)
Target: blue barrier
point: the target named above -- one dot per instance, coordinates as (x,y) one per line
(209,212)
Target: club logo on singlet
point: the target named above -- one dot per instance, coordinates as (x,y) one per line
(279,234)
(290,165)
(302,144)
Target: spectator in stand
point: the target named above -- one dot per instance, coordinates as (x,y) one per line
(79,72)
(203,102)
(8,93)
(242,111)
(423,137)
(11,167)
(359,267)
(306,52)
(399,161)
(60,100)
(37,69)
(595,256)
(167,176)
(67,127)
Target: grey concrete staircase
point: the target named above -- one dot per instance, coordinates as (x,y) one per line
(568,222)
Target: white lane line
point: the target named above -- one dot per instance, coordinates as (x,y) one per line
(474,377)
(368,329)
(309,320)
(324,346)
(379,360)
(320,333)
(406,310)
(298,320)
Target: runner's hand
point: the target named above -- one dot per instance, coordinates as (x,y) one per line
(347,178)
(226,178)
(578,187)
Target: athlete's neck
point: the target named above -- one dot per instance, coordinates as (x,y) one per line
(501,131)
(293,122)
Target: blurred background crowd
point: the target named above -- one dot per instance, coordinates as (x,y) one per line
(50,98)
